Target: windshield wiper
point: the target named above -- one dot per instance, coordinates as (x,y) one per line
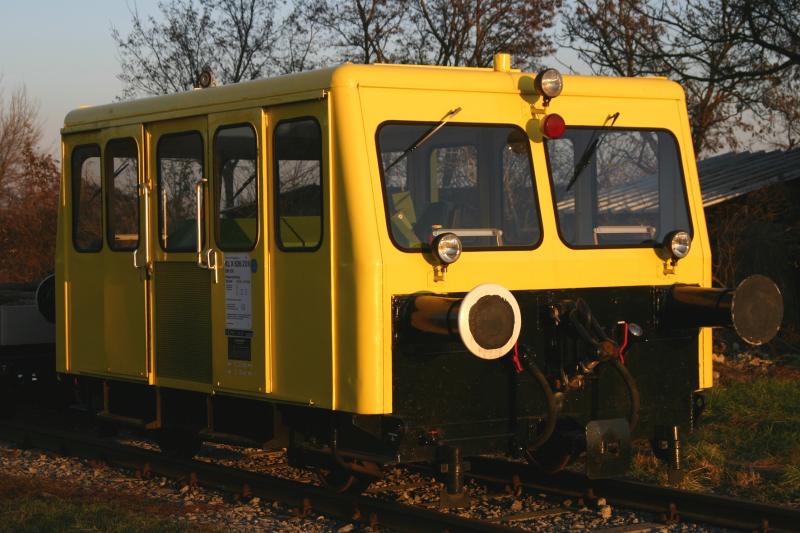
(587,154)
(424,138)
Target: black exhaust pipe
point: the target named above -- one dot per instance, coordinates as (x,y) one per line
(754,309)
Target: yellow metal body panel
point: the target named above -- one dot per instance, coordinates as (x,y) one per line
(300,287)
(155,131)
(103,298)
(325,316)
(125,338)
(362,368)
(241,376)
(84,296)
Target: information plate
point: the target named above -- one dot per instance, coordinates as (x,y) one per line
(238,293)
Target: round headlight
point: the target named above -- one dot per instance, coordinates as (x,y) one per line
(549,83)
(678,244)
(447,248)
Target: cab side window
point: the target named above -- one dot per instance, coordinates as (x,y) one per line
(298,171)
(122,185)
(87,207)
(236,179)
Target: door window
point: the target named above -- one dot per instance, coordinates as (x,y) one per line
(180,168)
(87,207)
(122,175)
(236,179)
(298,161)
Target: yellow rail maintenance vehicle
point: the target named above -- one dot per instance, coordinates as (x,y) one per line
(374,264)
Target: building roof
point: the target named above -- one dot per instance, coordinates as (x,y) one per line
(726,176)
(722,178)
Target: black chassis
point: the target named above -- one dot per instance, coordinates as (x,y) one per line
(443,395)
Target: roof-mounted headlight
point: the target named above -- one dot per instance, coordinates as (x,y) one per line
(677,244)
(549,83)
(447,248)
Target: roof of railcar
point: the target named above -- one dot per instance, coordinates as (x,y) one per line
(310,85)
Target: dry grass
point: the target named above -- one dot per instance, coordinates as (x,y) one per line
(31,505)
(748,444)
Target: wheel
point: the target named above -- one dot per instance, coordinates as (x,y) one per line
(342,480)
(563,447)
(181,444)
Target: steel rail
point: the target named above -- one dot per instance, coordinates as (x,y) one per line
(691,506)
(304,496)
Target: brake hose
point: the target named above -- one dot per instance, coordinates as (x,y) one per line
(552,409)
(582,314)
(633,391)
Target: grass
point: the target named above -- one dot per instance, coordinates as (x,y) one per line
(39,506)
(748,443)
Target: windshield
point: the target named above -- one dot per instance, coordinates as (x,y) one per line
(629,193)
(475,181)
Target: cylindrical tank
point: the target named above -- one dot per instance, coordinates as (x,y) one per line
(754,309)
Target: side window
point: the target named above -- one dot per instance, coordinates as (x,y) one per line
(87,207)
(180,167)
(122,186)
(236,179)
(298,170)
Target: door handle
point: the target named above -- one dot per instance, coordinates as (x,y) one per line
(144,268)
(206,259)
(211,262)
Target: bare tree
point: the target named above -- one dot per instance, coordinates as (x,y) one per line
(363,31)
(772,32)
(235,38)
(470,32)
(782,120)
(28,223)
(29,181)
(19,128)
(437,32)
(697,43)
(609,36)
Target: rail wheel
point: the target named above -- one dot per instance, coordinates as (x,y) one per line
(352,479)
(563,447)
(178,443)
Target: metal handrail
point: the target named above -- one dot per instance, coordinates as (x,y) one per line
(198,192)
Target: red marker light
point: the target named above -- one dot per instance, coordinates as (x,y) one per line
(553,126)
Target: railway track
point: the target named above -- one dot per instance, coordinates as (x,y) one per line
(303,496)
(671,504)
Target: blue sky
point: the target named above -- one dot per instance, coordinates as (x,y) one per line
(63,53)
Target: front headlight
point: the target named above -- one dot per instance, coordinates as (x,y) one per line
(447,248)
(549,83)
(677,244)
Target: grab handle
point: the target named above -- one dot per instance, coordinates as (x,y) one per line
(198,196)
